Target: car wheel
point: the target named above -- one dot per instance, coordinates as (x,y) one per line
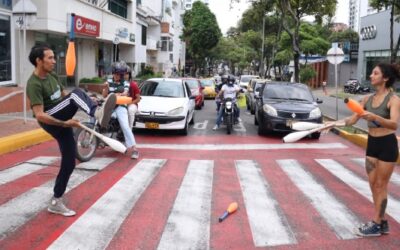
(252,111)
(185,130)
(260,130)
(202,104)
(255,120)
(316,135)
(192,120)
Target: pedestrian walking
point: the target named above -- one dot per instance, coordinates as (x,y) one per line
(382,113)
(54,109)
(324,88)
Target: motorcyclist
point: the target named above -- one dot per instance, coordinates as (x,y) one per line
(228,90)
(224,81)
(120,87)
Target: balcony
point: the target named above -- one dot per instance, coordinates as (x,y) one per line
(151,44)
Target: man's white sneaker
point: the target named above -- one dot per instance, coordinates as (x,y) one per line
(215,127)
(103,112)
(57,206)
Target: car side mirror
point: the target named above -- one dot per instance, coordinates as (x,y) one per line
(319,101)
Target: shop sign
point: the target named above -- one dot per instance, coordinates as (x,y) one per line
(131,37)
(122,32)
(368,32)
(6,4)
(86,26)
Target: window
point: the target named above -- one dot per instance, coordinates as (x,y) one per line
(119,7)
(5,49)
(171,45)
(171,57)
(164,43)
(138,2)
(144,35)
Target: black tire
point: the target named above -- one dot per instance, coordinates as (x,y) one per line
(86,144)
(192,120)
(255,120)
(185,130)
(229,127)
(252,111)
(202,104)
(260,130)
(315,135)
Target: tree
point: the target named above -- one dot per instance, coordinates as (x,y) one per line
(293,11)
(348,35)
(394,6)
(201,32)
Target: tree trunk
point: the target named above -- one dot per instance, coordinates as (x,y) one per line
(393,52)
(397,48)
(296,50)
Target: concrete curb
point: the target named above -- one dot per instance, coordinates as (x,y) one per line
(22,140)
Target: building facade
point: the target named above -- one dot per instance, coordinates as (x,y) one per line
(357,10)
(141,32)
(374,46)
(189,3)
(7,44)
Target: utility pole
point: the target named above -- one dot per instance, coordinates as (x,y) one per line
(262,50)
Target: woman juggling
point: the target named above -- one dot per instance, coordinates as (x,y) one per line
(382,111)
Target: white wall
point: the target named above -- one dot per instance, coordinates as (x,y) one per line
(86,56)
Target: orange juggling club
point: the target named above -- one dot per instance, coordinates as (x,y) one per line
(357,108)
(354,106)
(121,100)
(70,59)
(231,209)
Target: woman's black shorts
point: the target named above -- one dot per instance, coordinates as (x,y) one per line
(384,148)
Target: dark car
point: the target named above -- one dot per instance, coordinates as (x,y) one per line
(253,90)
(281,103)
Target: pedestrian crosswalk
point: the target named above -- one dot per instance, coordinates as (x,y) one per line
(190,220)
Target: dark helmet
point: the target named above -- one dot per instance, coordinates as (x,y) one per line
(119,67)
(224,78)
(231,79)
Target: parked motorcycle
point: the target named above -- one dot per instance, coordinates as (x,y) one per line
(87,143)
(352,86)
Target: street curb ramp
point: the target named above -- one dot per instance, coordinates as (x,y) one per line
(22,140)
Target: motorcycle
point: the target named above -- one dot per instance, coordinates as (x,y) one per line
(87,143)
(229,114)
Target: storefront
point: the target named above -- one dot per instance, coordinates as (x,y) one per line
(7,50)
(374,46)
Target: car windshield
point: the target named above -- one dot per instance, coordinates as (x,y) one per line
(287,92)
(206,83)
(193,84)
(162,89)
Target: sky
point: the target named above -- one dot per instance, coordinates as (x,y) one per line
(227,17)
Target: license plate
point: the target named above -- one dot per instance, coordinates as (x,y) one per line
(289,123)
(152,125)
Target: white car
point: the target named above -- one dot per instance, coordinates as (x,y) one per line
(245,79)
(165,104)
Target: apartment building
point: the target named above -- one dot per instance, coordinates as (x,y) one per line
(189,3)
(141,32)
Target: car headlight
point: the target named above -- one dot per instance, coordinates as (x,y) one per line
(315,113)
(270,110)
(176,111)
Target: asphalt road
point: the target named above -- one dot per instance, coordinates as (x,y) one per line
(305,195)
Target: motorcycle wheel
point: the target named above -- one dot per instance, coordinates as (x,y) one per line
(86,144)
(229,125)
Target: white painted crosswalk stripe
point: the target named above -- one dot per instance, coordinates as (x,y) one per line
(188,226)
(97,226)
(359,185)
(25,168)
(268,226)
(21,209)
(395,178)
(96,164)
(339,218)
(276,146)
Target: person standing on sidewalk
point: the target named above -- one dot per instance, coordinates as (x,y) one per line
(324,88)
(54,109)
(382,113)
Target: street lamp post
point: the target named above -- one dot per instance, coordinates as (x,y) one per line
(335,56)
(24,12)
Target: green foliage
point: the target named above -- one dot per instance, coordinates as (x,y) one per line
(148,70)
(307,73)
(201,31)
(344,36)
(95,79)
